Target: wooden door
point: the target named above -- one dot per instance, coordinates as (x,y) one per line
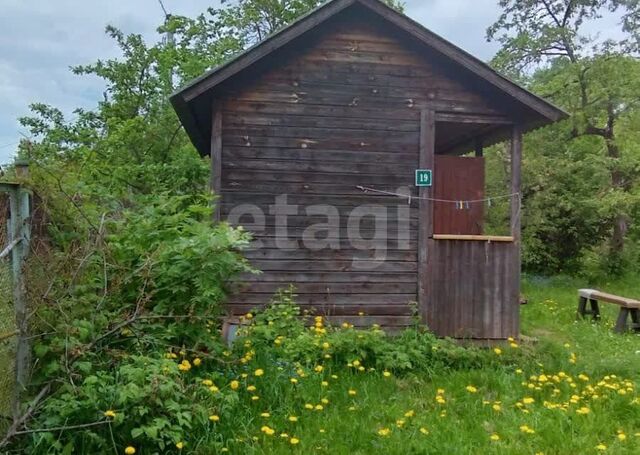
(458,179)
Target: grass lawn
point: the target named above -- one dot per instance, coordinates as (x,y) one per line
(568,387)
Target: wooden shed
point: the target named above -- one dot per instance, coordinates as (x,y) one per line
(339,143)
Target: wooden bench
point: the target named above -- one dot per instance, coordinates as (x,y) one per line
(628,307)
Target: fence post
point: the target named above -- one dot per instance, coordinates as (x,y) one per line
(19,229)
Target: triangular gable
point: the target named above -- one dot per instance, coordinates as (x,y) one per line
(197,122)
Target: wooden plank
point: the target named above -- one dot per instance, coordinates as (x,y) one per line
(326,299)
(478,238)
(357,168)
(216,157)
(325,254)
(327,277)
(336,310)
(330,287)
(351,143)
(235,104)
(346,122)
(425,230)
(473,118)
(327,156)
(373,181)
(611,298)
(337,266)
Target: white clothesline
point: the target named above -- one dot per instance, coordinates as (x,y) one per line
(453,201)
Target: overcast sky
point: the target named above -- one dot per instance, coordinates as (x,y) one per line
(40,40)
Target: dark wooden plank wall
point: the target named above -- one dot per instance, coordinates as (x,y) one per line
(344,112)
(475,293)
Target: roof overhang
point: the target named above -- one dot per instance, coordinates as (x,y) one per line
(198,126)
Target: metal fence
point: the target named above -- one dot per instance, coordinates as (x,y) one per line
(14,350)
(7,323)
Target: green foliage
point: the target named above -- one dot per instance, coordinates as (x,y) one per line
(580,177)
(279,331)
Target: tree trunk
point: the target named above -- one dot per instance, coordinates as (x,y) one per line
(618,181)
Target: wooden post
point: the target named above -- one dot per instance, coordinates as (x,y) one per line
(516,213)
(216,157)
(516,163)
(425,230)
(479,148)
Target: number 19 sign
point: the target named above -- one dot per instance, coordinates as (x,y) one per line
(424,177)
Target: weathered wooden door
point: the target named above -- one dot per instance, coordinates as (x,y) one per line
(459,179)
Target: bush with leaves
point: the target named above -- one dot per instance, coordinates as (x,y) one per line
(153,289)
(280,332)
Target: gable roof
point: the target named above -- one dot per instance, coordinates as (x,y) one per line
(198,126)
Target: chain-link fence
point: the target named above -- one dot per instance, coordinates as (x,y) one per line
(7,322)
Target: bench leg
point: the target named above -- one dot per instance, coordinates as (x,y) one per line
(582,307)
(635,319)
(595,309)
(621,324)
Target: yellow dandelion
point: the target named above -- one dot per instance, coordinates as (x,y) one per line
(410,413)
(494,437)
(308,406)
(528,400)
(471,389)
(293,419)
(384,432)
(324,384)
(294,441)
(197,361)
(497,407)
(319,407)
(352,392)
(180,445)
(110,413)
(423,430)
(258,372)
(386,373)
(268,430)
(251,388)
(498,351)
(255,398)
(266,415)
(583,410)
(293,380)
(214,418)
(601,447)
(622,436)
(130,450)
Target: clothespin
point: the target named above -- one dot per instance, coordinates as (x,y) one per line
(409,199)
(467,205)
(489,202)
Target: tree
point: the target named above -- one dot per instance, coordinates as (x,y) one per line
(544,43)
